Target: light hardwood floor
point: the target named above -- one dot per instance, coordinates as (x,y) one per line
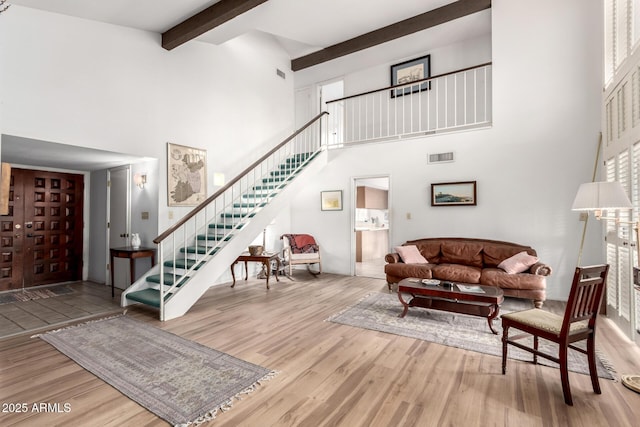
(329,374)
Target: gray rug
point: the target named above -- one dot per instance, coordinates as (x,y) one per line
(29,295)
(179,380)
(379,312)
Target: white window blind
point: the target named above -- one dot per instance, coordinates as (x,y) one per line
(609,40)
(624,231)
(612,248)
(622,31)
(621,96)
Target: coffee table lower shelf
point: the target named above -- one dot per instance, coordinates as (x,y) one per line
(486,304)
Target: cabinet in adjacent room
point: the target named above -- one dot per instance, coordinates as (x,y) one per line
(371,198)
(371,244)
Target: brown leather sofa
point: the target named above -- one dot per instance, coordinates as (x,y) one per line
(471,261)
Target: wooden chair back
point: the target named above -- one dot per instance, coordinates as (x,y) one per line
(585,298)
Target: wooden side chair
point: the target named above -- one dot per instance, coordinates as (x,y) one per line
(578,323)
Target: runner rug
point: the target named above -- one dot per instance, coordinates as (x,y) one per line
(179,380)
(379,312)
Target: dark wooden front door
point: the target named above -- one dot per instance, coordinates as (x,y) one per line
(41,237)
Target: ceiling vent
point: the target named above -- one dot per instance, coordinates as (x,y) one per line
(441,157)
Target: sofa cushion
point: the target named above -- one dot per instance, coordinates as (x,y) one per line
(461,252)
(520,281)
(410,255)
(457,273)
(429,248)
(518,263)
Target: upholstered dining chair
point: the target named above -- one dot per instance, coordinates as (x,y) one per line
(301,249)
(578,323)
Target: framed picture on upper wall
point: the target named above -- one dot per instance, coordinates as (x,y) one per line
(186,175)
(454,194)
(411,71)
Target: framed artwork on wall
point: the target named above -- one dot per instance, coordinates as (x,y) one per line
(186,175)
(454,194)
(411,71)
(331,200)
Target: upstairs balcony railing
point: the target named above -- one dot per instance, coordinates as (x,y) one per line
(452,101)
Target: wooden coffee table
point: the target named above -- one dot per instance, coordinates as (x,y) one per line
(482,301)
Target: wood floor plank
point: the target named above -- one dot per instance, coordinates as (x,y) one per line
(328,374)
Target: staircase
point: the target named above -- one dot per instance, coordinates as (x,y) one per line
(202,246)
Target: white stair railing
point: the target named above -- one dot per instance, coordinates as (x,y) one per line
(443,103)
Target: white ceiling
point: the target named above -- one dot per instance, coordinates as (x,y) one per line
(300,26)
(32,152)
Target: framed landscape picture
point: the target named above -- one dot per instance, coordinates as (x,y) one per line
(331,200)
(186,175)
(411,71)
(454,194)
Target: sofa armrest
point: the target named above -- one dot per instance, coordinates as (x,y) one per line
(541,269)
(392,258)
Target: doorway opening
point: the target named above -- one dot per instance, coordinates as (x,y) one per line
(371,225)
(118,222)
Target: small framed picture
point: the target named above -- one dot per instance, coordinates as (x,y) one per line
(411,71)
(331,200)
(453,194)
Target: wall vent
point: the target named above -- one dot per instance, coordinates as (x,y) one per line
(280,73)
(441,157)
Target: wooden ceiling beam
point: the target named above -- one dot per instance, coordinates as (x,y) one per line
(403,28)
(206,20)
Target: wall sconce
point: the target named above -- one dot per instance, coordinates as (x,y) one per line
(140,179)
(218,179)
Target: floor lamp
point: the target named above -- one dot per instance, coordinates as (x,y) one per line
(599,196)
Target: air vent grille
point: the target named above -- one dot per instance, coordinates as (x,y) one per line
(441,157)
(280,73)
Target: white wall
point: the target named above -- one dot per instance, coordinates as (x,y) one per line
(547,83)
(90,84)
(467,53)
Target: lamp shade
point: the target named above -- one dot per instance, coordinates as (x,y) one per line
(601,196)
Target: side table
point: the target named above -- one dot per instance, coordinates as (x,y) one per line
(265,259)
(132,254)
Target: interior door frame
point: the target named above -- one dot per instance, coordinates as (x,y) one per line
(352,213)
(127,168)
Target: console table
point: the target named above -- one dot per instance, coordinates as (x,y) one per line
(265,259)
(132,254)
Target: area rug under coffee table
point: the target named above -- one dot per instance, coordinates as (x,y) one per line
(179,380)
(379,312)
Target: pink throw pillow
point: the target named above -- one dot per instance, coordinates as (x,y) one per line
(518,263)
(411,255)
